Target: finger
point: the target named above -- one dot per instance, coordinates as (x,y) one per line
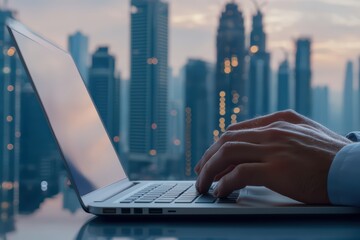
(231,153)
(229,136)
(287,116)
(223,173)
(251,174)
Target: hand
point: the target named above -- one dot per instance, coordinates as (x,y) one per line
(285,152)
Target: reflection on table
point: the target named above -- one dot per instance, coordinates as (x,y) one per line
(224,228)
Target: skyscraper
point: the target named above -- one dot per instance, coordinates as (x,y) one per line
(104,86)
(321,105)
(230,89)
(148,83)
(10,81)
(259,74)
(358,93)
(78,46)
(197,136)
(284,85)
(303,75)
(348,103)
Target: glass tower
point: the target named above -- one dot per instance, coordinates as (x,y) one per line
(230,89)
(303,77)
(259,73)
(10,76)
(78,46)
(197,137)
(104,87)
(148,84)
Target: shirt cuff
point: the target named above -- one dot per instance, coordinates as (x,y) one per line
(354,136)
(344,177)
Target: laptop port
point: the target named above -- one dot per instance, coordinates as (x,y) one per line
(155,211)
(125,210)
(138,210)
(109,210)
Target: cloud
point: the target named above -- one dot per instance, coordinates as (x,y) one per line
(332,24)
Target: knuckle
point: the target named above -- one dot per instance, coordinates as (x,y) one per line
(226,148)
(239,171)
(227,136)
(287,114)
(278,124)
(232,127)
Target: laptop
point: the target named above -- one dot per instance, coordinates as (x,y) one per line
(93,166)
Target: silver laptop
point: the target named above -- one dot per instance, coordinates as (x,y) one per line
(93,165)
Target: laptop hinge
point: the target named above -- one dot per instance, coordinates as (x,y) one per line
(108,192)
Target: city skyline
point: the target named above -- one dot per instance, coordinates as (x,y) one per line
(332,29)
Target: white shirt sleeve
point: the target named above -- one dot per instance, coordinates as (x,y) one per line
(344,175)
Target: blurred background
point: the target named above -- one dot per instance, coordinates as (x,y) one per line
(168,77)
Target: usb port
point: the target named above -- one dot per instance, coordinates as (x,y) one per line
(125,210)
(138,210)
(109,210)
(155,211)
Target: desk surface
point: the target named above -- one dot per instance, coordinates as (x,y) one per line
(56,220)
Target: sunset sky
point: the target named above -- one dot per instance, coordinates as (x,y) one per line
(334,26)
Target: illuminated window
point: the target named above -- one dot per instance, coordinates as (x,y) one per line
(11,51)
(234,61)
(7,185)
(237,110)
(116,139)
(222,94)
(254,49)
(6,70)
(154,126)
(10,147)
(177,142)
(152,152)
(216,133)
(17,134)
(152,61)
(9,118)
(10,88)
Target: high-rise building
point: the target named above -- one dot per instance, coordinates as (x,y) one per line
(176,116)
(10,81)
(358,94)
(148,84)
(284,85)
(78,46)
(320,103)
(303,73)
(348,103)
(259,73)
(197,135)
(230,88)
(104,86)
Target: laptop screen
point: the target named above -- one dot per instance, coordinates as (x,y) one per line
(83,140)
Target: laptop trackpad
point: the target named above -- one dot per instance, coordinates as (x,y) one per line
(263,197)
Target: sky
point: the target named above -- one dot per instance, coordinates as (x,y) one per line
(333,25)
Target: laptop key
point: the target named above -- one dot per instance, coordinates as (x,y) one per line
(144,201)
(164,201)
(206,199)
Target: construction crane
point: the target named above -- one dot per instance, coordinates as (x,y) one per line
(259,6)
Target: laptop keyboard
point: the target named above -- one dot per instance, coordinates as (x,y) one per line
(176,193)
